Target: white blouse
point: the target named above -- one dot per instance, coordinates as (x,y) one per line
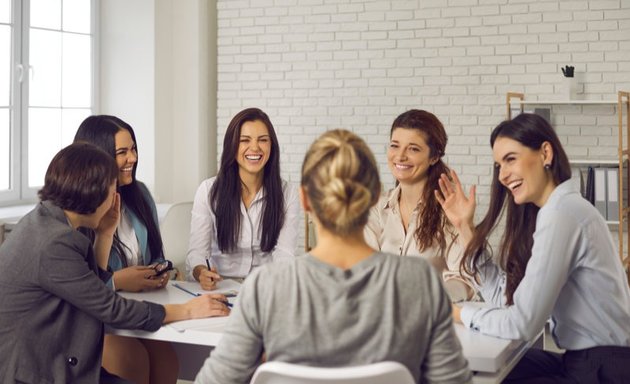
(247,255)
(127,236)
(385,232)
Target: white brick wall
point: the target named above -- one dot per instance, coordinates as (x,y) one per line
(314,65)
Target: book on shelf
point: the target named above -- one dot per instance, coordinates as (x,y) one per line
(612,194)
(600,191)
(599,184)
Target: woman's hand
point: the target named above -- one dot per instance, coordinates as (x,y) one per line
(163,278)
(207,278)
(109,221)
(459,208)
(209,305)
(138,278)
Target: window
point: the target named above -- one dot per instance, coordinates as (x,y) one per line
(46,87)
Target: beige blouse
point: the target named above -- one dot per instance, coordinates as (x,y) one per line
(384,231)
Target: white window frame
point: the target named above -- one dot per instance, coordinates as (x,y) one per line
(20,192)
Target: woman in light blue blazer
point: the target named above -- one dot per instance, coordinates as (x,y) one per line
(137,246)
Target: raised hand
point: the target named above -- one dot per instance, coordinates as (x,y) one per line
(459,208)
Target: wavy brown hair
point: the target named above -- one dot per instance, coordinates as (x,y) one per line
(515,247)
(431,224)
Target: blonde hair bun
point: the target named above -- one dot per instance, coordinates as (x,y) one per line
(341,180)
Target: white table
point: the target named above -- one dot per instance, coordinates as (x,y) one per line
(490,358)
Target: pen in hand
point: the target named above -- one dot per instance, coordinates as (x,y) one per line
(227,303)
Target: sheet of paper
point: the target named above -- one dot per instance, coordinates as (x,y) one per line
(226,287)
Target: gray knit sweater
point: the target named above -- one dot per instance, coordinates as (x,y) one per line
(308,312)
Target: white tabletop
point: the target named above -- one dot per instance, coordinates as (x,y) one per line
(491,358)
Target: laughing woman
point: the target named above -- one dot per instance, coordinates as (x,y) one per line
(137,246)
(247,215)
(408,220)
(556,260)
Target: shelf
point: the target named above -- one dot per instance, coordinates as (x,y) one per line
(593,161)
(564,102)
(517,99)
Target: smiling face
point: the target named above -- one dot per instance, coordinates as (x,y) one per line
(522,171)
(126,156)
(254,148)
(409,156)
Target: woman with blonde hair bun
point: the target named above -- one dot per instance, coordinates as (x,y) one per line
(343,303)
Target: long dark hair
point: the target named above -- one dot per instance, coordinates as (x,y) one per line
(431,220)
(101,130)
(226,196)
(515,247)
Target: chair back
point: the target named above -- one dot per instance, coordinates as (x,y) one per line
(385,372)
(175,231)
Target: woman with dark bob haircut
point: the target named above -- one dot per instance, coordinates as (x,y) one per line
(137,247)
(247,215)
(53,297)
(556,260)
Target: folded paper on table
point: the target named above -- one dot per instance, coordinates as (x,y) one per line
(216,324)
(227,287)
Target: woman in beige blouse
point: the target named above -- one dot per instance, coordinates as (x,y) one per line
(408,219)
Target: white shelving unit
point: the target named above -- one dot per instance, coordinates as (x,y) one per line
(515,99)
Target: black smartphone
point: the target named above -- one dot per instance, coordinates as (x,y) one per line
(162,267)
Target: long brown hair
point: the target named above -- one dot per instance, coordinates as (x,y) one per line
(225,194)
(515,247)
(431,219)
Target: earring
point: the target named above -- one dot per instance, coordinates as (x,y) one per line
(547,166)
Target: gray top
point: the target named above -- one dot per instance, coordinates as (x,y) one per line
(53,303)
(574,275)
(307,312)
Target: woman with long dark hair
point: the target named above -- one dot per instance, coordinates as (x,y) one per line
(408,220)
(137,247)
(247,215)
(556,259)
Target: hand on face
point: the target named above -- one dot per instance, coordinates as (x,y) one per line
(108,223)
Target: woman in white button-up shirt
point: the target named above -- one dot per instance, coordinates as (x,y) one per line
(247,215)
(556,260)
